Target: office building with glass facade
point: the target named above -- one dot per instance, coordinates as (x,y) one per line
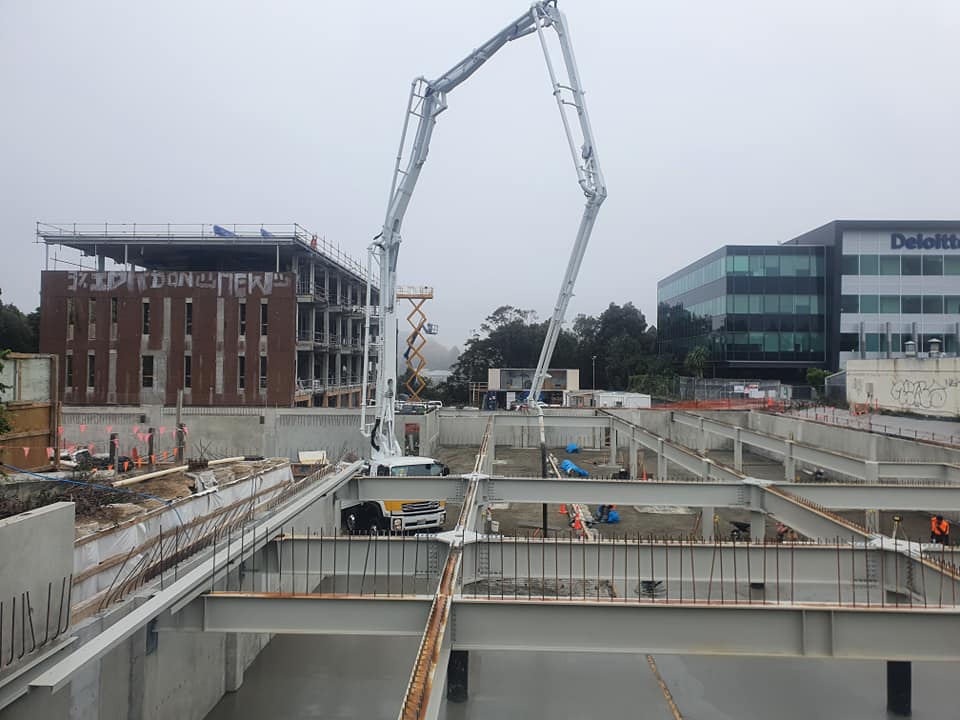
(847,289)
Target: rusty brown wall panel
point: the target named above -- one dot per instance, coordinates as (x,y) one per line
(204,289)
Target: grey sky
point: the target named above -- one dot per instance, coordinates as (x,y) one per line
(733,122)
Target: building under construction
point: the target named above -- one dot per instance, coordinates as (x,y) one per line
(232,315)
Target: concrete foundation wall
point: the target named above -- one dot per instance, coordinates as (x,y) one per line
(36,555)
(857,443)
(226,432)
(925,386)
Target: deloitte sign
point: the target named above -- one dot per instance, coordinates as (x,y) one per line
(937,241)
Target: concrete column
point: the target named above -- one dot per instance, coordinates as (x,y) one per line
(232,663)
(632,464)
(789,463)
(737,450)
(151,447)
(899,687)
(661,461)
(706,523)
(701,437)
(758,525)
(707,468)
(457,676)
(613,444)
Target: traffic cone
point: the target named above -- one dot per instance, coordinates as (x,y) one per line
(563,508)
(644,474)
(577,525)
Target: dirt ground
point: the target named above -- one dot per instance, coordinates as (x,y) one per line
(660,522)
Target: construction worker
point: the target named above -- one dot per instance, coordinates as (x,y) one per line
(939,530)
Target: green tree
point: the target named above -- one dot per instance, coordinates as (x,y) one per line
(695,361)
(19,332)
(816,379)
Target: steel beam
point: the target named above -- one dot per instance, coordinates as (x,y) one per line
(315,614)
(849,633)
(811,522)
(881,497)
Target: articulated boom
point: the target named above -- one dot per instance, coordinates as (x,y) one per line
(427,100)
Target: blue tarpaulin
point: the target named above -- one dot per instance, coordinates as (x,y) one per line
(265,233)
(223,232)
(567,467)
(573,448)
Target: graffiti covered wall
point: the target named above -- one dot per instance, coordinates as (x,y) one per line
(923,386)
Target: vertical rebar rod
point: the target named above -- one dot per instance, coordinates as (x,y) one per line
(161,556)
(653,581)
(943,567)
(793,557)
(226,563)
(349,565)
(321,560)
(777,557)
(719,547)
(734,545)
(693,572)
(839,596)
(306,581)
(176,555)
(883,581)
(336,543)
(853,572)
(46,627)
(896,575)
(403,561)
(213,561)
(666,571)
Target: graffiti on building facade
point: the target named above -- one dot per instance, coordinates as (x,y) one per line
(226,284)
(921,394)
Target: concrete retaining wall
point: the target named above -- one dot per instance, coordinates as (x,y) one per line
(226,432)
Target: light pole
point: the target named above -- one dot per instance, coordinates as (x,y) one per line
(593,377)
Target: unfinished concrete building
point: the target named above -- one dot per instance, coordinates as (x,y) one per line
(237,315)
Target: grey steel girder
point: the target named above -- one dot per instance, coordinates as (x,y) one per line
(808,630)
(854,633)
(719,493)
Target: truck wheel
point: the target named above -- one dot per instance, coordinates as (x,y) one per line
(374,522)
(353,520)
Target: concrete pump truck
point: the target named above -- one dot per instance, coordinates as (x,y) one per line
(428,98)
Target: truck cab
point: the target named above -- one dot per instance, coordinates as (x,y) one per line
(398,516)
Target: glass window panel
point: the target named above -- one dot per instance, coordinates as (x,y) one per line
(818,265)
(932,304)
(849,265)
(951,265)
(786,342)
(756,265)
(771,303)
(771,264)
(741,304)
(849,304)
(849,342)
(814,304)
(756,304)
(910,265)
(756,341)
(771,342)
(873,342)
(741,264)
(869,265)
(870,304)
(786,303)
(951,304)
(890,304)
(933,264)
(910,304)
(889,264)
(801,304)
(801,265)
(816,342)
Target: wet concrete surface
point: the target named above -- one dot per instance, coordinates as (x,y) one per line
(358,677)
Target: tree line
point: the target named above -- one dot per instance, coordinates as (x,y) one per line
(616,350)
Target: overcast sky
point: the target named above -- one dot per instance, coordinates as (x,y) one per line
(716,123)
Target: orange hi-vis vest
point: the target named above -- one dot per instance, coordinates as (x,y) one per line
(939,529)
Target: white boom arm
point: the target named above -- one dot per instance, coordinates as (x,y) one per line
(427,100)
